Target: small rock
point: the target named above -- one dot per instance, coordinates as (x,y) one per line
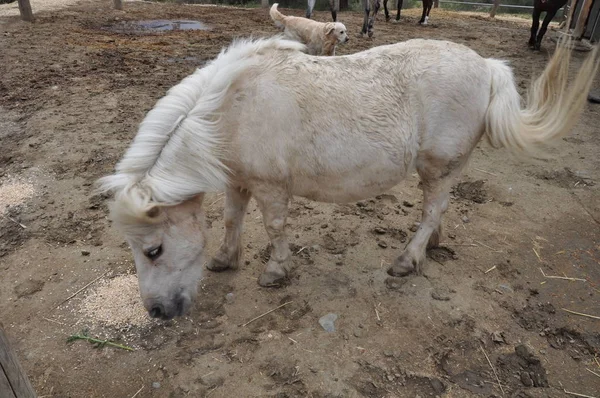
(414,227)
(327,322)
(156,384)
(526,379)
(85,253)
(229,297)
(465,219)
(379,231)
(437,386)
(408,204)
(497,337)
(382,244)
(439,295)
(324,226)
(388,353)
(358,333)
(390,377)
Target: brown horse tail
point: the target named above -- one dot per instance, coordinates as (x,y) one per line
(552,106)
(276,16)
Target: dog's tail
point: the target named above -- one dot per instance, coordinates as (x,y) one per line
(276,16)
(552,106)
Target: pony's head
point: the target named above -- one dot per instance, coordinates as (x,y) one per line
(167,244)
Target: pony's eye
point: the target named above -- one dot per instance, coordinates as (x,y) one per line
(153,254)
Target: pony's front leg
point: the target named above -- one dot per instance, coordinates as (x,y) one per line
(230,252)
(273,203)
(436,194)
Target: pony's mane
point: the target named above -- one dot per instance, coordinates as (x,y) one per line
(179,150)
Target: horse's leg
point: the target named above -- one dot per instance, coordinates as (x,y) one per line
(230,252)
(367,8)
(334,6)
(535,24)
(309,9)
(423,14)
(273,203)
(376,5)
(399,9)
(386,11)
(437,176)
(547,19)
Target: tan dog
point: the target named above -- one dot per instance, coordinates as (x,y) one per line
(320,38)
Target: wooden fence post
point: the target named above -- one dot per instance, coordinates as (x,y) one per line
(494,8)
(13,381)
(25,10)
(118,4)
(582,19)
(436,3)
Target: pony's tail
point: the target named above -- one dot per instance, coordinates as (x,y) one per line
(552,106)
(276,16)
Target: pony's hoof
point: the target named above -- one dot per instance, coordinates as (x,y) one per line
(387,19)
(272,279)
(402,266)
(217,265)
(370,34)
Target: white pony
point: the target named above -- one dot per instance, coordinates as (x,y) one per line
(266,120)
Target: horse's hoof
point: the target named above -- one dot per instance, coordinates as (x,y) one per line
(387,19)
(272,279)
(217,265)
(402,266)
(370,34)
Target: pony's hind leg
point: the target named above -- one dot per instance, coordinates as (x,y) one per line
(230,252)
(273,203)
(437,176)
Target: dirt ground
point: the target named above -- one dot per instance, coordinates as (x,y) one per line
(72,91)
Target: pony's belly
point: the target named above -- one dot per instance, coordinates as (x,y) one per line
(342,189)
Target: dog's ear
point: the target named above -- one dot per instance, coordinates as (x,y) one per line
(329,28)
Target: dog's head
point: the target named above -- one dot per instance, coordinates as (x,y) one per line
(337,31)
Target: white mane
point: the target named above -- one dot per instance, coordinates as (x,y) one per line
(179,151)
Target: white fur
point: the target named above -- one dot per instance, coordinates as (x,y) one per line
(267,120)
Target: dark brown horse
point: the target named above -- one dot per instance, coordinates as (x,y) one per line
(387,13)
(551,7)
(427,4)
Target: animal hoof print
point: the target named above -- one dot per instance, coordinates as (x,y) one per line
(216,265)
(269,279)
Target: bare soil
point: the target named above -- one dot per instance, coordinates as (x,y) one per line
(72,92)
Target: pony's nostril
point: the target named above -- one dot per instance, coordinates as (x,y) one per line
(157,311)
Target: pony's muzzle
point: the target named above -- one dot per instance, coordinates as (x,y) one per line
(177,307)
